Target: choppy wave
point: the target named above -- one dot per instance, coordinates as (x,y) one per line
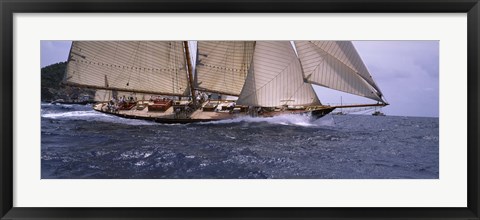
(83,143)
(287,119)
(74,114)
(92,115)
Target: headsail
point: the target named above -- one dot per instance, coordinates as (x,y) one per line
(275,78)
(337,65)
(155,67)
(222,66)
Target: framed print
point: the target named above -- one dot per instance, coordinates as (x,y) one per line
(271,109)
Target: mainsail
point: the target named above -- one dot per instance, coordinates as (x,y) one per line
(275,78)
(222,66)
(154,67)
(337,65)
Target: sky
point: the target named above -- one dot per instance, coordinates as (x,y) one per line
(407,73)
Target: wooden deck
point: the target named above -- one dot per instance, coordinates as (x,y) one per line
(140,113)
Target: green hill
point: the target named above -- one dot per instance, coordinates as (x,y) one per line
(52,88)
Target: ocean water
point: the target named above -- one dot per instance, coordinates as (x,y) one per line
(79,143)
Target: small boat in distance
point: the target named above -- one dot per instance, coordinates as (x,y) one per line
(378,113)
(230,79)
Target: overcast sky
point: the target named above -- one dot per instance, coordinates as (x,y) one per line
(407,72)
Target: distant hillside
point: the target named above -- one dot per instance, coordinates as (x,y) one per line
(52,89)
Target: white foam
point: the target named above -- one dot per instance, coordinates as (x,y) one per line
(92,115)
(74,114)
(64,105)
(287,119)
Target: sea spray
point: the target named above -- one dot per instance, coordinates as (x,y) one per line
(91,115)
(287,119)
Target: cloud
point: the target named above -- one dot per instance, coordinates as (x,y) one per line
(407,73)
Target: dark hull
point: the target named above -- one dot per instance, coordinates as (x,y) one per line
(320,113)
(316,114)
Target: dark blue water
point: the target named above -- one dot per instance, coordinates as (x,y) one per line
(79,143)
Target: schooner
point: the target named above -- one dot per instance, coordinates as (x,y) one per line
(155,80)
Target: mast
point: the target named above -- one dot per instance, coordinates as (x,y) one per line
(190,76)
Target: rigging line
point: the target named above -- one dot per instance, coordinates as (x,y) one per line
(225,64)
(204,56)
(117,77)
(87,66)
(180,65)
(302,85)
(175,63)
(245,58)
(171,50)
(296,91)
(143,63)
(327,55)
(219,66)
(364,92)
(318,65)
(233,66)
(135,59)
(373,85)
(95,54)
(208,49)
(283,70)
(115,54)
(339,64)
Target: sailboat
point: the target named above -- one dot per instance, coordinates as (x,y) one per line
(156,81)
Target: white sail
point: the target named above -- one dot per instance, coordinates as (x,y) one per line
(222,66)
(157,67)
(275,78)
(337,65)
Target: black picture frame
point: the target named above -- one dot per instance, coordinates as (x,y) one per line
(9,7)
